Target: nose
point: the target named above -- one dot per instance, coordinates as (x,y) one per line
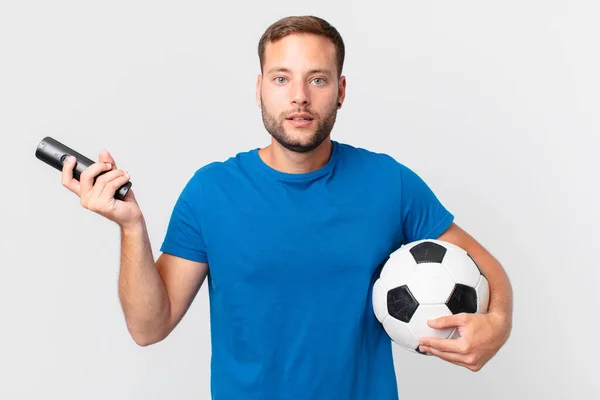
(299,95)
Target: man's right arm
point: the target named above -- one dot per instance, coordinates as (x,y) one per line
(154,295)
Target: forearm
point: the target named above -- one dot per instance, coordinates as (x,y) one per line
(500,292)
(143,295)
(501,296)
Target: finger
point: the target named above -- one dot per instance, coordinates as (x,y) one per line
(107,184)
(450,357)
(67,179)
(105,156)
(457,346)
(87,177)
(449,321)
(102,181)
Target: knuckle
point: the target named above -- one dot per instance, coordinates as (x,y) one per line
(471,360)
(107,182)
(474,367)
(101,179)
(119,181)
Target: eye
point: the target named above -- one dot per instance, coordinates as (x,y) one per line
(280,79)
(319,81)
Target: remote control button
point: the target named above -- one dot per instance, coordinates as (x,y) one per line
(63,159)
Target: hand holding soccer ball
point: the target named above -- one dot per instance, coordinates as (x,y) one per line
(433,280)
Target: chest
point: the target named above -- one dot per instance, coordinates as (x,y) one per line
(299,237)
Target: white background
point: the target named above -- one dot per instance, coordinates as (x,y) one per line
(495,104)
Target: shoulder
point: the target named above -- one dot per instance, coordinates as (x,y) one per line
(221,171)
(380,162)
(352,152)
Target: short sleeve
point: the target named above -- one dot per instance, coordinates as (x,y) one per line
(184,234)
(423,215)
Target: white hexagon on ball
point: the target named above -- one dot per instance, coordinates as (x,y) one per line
(431,284)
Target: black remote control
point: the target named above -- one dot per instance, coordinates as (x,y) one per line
(54,153)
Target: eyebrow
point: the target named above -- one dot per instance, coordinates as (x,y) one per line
(287,70)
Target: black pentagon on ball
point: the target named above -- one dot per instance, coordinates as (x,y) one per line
(418,350)
(428,252)
(462,300)
(401,303)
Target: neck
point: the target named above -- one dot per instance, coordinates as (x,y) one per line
(281,159)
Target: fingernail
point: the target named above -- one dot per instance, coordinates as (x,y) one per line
(108,165)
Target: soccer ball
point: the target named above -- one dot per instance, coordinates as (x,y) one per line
(424,280)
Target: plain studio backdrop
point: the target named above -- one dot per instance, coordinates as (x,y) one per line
(495,104)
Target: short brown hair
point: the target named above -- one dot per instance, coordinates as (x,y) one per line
(303,24)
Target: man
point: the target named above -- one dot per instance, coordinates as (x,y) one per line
(290,237)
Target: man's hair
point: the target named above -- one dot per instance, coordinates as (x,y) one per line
(303,24)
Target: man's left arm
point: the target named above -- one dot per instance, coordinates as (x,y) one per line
(482,335)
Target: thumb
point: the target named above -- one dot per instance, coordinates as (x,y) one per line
(104,156)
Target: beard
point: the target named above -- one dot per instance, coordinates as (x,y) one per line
(274,126)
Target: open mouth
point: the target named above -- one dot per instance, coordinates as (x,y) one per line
(300,122)
(299,119)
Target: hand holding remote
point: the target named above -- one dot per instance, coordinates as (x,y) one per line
(96,188)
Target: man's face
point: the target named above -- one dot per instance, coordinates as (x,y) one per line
(299,91)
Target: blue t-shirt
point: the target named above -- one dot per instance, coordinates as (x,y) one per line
(292,260)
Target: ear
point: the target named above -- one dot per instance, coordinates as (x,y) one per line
(342,89)
(258,95)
